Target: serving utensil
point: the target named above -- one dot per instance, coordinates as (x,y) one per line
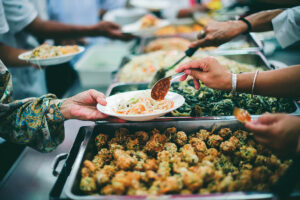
(161,73)
(161,87)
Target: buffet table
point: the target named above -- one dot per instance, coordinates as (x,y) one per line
(31,178)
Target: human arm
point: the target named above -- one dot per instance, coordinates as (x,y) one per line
(38,122)
(9,55)
(217,33)
(51,29)
(280,132)
(280,83)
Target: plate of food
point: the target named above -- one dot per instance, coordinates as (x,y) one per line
(153,5)
(46,54)
(147,25)
(139,106)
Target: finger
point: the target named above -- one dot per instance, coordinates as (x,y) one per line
(101,101)
(258,129)
(183,78)
(196,83)
(198,43)
(100,115)
(114,25)
(269,118)
(98,97)
(262,140)
(196,74)
(196,64)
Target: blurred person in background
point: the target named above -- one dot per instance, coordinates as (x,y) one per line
(186,8)
(75,12)
(23,22)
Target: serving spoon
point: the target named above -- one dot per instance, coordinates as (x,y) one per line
(161,87)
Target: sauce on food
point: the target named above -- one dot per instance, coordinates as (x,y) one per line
(160,89)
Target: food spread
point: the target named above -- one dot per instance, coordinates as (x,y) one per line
(175,162)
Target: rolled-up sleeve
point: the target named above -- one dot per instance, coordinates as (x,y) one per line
(36,122)
(287,27)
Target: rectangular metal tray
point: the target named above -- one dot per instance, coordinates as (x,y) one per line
(230,47)
(252,58)
(71,187)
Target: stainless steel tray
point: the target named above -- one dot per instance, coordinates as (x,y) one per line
(252,58)
(232,46)
(71,188)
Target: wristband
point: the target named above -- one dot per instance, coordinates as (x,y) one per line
(249,29)
(233,84)
(253,83)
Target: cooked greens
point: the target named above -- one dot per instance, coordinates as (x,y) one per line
(210,102)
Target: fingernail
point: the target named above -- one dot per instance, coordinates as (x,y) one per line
(188,71)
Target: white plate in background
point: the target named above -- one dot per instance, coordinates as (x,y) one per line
(113,101)
(135,28)
(50,61)
(153,5)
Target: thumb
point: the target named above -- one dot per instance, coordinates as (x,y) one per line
(260,130)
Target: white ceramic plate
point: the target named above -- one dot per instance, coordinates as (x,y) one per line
(113,101)
(50,61)
(153,5)
(135,28)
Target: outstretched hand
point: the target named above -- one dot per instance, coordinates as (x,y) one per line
(280,132)
(83,106)
(111,30)
(217,33)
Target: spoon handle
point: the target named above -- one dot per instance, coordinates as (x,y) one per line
(176,76)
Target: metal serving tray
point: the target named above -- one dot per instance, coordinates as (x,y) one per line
(232,46)
(87,149)
(252,58)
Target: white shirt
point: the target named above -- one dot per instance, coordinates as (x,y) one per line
(27,81)
(286,26)
(3,22)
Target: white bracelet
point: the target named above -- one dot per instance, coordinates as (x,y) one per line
(253,83)
(233,84)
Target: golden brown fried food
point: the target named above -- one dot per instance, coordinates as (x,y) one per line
(227,147)
(154,163)
(170,147)
(225,132)
(156,143)
(188,154)
(124,160)
(198,144)
(142,136)
(88,184)
(214,140)
(203,134)
(180,138)
(101,140)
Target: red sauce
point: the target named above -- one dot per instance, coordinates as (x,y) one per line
(160,89)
